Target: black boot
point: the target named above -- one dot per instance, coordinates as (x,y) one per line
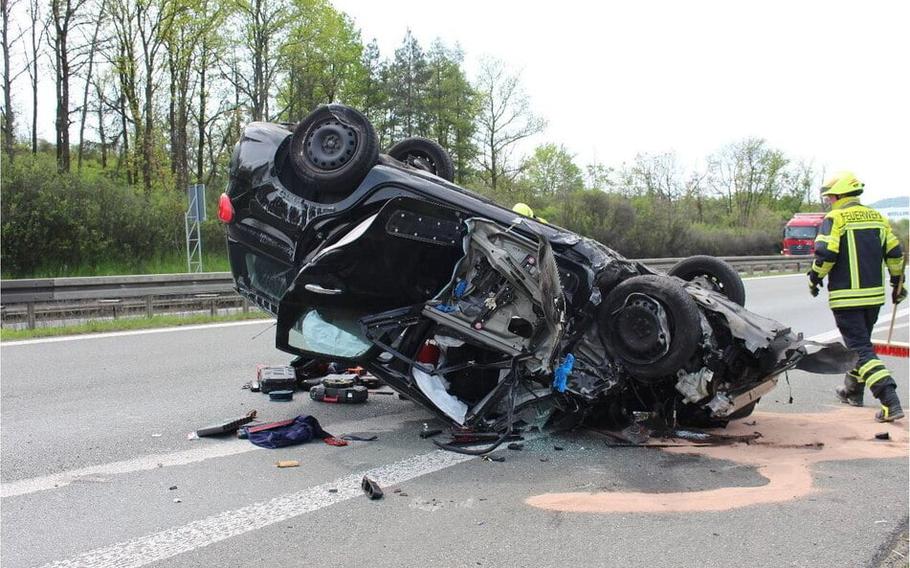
(891,407)
(851,392)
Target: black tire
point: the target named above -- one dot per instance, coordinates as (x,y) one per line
(333,149)
(426,155)
(716,273)
(633,331)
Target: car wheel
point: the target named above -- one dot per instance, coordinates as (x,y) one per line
(333,149)
(651,324)
(424,154)
(712,273)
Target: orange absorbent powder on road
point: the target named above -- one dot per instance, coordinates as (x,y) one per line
(788,446)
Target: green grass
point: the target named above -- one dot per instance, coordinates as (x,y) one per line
(171,264)
(124,325)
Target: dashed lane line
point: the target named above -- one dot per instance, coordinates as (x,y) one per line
(222,526)
(155,461)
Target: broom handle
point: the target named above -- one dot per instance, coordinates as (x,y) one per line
(900,286)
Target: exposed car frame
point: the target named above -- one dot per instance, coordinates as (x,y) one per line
(489,319)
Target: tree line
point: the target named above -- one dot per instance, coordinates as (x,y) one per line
(158,90)
(151,95)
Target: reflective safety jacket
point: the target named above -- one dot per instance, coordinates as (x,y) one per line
(852,243)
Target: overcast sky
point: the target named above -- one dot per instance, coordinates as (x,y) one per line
(823,81)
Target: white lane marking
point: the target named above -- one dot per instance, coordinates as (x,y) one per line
(107,334)
(835,333)
(803,274)
(154,461)
(222,526)
(888,326)
(827,336)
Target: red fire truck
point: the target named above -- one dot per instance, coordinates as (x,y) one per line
(800,232)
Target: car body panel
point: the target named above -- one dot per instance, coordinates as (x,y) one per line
(407,260)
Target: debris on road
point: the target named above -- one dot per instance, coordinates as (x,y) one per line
(490,458)
(276,378)
(156,435)
(359,438)
(178,500)
(883,436)
(371,488)
(281,395)
(225,427)
(299,430)
(172,488)
(516,446)
(354,394)
(287,463)
(426,433)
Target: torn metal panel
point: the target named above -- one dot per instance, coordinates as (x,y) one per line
(376,270)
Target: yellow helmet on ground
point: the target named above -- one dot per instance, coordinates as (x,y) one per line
(842,183)
(523,209)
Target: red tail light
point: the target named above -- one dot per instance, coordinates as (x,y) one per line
(225,209)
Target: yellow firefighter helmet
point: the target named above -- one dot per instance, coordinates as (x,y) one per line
(842,183)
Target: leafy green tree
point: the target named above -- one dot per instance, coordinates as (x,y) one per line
(452,106)
(407,79)
(551,171)
(324,60)
(372,92)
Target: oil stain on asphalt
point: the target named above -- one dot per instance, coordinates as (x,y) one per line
(788,446)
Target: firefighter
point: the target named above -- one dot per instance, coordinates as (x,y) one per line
(525,209)
(852,242)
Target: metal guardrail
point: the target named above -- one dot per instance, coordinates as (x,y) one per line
(56,299)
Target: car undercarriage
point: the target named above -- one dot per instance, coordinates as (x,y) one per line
(494,321)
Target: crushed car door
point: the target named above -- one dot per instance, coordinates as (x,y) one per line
(402,255)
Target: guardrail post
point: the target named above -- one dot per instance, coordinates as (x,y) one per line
(149,306)
(213,307)
(751,270)
(245,306)
(30,311)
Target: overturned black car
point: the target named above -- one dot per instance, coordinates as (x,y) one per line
(492,320)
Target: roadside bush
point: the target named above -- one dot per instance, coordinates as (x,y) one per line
(64,220)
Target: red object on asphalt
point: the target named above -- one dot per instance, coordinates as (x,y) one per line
(225,209)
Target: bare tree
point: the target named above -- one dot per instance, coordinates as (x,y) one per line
(140,29)
(746,174)
(8,125)
(263,25)
(32,57)
(63,20)
(505,118)
(92,48)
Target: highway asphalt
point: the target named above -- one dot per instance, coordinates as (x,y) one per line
(96,470)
